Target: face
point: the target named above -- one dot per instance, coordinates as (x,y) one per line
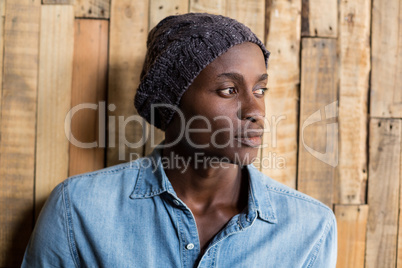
(223,110)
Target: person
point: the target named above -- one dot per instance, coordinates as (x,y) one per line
(197,200)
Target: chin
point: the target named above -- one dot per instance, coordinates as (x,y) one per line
(241,156)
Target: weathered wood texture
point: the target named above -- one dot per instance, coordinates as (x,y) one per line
(208,6)
(354,46)
(249,12)
(18,120)
(386,57)
(399,250)
(58,2)
(128,34)
(281,101)
(89,87)
(159,9)
(318,144)
(352,225)
(319,18)
(383,192)
(99,9)
(2,35)
(54,98)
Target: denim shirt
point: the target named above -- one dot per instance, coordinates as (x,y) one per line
(130,216)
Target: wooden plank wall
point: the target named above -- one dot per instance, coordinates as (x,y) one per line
(89,85)
(384,235)
(334,106)
(18,127)
(54,98)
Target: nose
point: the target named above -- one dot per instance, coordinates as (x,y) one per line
(251,108)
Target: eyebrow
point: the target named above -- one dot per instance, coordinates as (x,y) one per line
(239,78)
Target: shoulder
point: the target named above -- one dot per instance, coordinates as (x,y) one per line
(290,203)
(308,219)
(105,184)
(114,175)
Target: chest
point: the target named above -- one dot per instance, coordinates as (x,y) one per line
(210,223)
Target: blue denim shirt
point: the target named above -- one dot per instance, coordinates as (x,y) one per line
(130,216)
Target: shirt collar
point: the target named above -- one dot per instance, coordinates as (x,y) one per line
(152,180)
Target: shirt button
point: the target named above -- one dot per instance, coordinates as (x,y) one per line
(190,246)
(177,203)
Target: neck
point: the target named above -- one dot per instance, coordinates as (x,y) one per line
(202,184)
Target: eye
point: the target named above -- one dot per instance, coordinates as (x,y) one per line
(260,91)
(227,91)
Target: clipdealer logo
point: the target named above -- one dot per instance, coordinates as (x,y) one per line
(330,156)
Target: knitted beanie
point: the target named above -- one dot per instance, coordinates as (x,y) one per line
(178,49)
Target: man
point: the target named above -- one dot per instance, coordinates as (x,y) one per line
(197,200)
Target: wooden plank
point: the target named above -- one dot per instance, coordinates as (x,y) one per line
(354,46)
(399,249)
(249,12)
(383,192)
(58,2)
(2,35)
(89,87)
(18,120)
(209,6)
(281,102)
(128,35)
(386,57)
(158,10)
(99,9)
(318,141)
(352,225)
(319,18)
(54,98)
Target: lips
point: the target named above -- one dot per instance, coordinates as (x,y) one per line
(250,141)
(251,138)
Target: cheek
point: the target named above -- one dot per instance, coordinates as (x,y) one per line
(220,119)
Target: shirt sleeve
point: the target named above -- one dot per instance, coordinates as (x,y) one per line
(49,245)
(326,254)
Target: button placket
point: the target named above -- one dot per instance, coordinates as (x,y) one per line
(188,234)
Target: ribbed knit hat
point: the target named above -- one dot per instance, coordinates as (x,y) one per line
(178,49)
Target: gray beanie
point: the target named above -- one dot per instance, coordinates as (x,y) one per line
(178,49)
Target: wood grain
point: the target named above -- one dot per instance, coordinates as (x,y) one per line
(386,57)
(54,98)
(2,35)
(354,46)
(399,249)
(159,9)
(128,35)
(58,2)
(18,121)
(281,102)
(383,192)
(89,87)
(318,143)
(352,225)
(319,18)
(99,9)
(209,6)
(249,12)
